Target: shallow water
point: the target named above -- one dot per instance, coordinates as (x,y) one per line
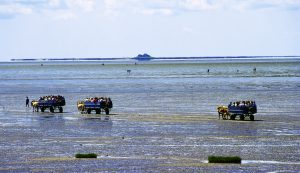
(164,116)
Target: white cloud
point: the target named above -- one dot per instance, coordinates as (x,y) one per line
(58,9)
(10,10)
(261,4)
(153,7)
(54,3)
(144,7)
(167,7)
(85,5)
(199,5)
(113,7)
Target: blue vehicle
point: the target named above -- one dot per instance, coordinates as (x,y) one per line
(50,102)
(242,109)
(95,104)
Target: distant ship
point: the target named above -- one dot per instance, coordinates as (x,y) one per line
(144,57)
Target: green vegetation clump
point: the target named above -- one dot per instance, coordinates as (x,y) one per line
(222,159)
(89,155)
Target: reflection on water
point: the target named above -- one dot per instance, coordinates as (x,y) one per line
(51,124)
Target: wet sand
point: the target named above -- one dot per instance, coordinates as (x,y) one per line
(42,142)
(164,117)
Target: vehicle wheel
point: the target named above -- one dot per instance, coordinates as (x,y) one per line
(89,111)
(61,110)
(98,111)
(232,117)
(251,110)
(51,109)
(252,117)
(242,117)
(107,111)
(42,109)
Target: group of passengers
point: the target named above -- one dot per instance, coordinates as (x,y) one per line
(57,98)
(242,103)
(102,100)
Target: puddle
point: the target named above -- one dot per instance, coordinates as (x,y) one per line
(268,162)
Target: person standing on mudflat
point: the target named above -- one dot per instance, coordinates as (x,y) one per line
(27,102)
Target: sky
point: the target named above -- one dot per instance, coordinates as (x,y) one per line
(161,28)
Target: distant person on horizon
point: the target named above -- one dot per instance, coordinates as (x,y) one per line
(27,102)
(254,70)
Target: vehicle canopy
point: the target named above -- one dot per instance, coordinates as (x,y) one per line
(96,102)
(242,107)
(52,100)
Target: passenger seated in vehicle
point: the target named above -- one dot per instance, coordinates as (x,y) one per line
(95,100)
(102,103)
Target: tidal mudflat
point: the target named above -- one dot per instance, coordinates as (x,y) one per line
(38,142)
(164,117)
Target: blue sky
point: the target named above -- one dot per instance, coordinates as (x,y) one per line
(125,28)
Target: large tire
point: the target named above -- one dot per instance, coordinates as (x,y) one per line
(232,117)
(89,111)
(252,117)
(51,109)
(98,111)
(242,117)
(250,110)
(61,110)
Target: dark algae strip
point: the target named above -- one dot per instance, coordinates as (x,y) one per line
(222,159)
(89,155)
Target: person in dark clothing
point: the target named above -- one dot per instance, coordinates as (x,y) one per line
(27,102)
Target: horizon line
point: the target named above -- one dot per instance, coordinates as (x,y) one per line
(137,58)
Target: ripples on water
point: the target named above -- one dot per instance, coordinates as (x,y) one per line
(163,86)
